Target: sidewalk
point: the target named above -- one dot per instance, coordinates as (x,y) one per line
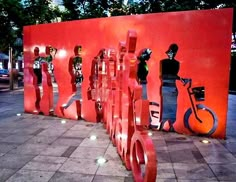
(37,148)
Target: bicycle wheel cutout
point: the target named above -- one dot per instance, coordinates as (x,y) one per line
(209,121)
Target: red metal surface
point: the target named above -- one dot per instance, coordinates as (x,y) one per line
(110,91)
(46,102)
(65,79)
(31,92)
(143,153)
(129,109)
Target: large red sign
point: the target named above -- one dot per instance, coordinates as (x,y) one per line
(167,71)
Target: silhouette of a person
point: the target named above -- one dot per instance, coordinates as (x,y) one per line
(37,65)
(77,65)
(143,57)
(77,71)
(169,69)
(50,55)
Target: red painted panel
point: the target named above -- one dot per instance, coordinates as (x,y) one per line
(46,102)
(203,38)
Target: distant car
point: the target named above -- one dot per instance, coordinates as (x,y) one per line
(4,73)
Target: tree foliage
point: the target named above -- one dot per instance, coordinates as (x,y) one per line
(11,22)
(15,14)
(39,11)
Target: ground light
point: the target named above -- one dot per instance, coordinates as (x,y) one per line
(18,114)
(93,137)
(150,133)
(205,141)
(63,121)
(101,160)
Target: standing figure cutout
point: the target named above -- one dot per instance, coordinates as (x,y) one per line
(169,69)
(37,65)
(50,55)
(78,75)
(144,55)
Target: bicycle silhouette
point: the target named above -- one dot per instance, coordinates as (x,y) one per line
(205,118)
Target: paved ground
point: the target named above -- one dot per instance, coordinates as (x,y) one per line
(36,148)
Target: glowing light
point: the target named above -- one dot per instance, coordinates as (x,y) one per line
(122,136)
(101,160)
(138,120)
(150,133)
(63,121)
(93,137)
(64,105)
(18,114)
(118,136)
(205,141)
(62,53)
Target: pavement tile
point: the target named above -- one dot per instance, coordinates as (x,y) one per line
(5,130)
(166,180)
(99,142)
(16,139)
(74,133)
(83,126)
(163,157)
(186,156)
(224,172)
(14,161)
(230,146)
(100,178)
(42,124)
(54,150)
(45,163)
(66,124)
(102,134)
(69,151)
(175,137)
(6,147)
(31,176)
(52,132)
(68,141)
(42,139)
(25,131)
(193,172)
(157,135)
(218,157)
(111,153)
(6,173)
(179,145)
(88,152)
(37,131)
(29,149)
(160,145)
(165,171)
(78,165)
(214,145)
(199,181)
(113,168)
(71,177)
